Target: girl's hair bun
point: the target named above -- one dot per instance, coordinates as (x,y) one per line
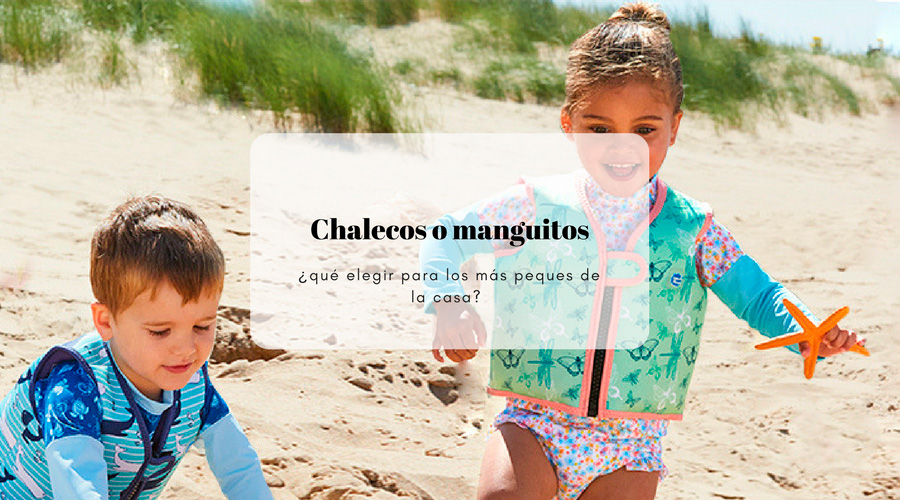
(642,12)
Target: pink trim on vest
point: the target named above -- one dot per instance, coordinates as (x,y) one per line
(628,414)
(705,227)
(661,190)
(616,307)
(643,268)
(556,406)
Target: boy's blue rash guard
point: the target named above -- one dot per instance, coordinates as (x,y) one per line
(745,288)
(69,409)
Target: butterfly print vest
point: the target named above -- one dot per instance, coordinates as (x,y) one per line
(139,462)
(618,336)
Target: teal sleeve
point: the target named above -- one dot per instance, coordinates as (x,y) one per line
(233,461)
(77,468)
(441,256)
(756,298)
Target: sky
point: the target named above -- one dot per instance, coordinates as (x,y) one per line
(844,25)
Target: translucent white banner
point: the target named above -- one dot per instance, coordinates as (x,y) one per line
(561,223)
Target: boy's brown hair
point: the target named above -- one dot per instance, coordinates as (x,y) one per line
(633,44)
(149,240)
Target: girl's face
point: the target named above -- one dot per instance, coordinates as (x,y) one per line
(634,107)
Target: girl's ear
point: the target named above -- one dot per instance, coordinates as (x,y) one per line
(676,121)
(565,122)
(102,318)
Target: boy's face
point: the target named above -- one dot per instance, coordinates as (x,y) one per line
(635,107)
(159,343)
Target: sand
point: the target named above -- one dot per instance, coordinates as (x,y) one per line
(813,202)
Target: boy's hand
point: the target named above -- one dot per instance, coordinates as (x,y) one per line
(836,341)
(458,330)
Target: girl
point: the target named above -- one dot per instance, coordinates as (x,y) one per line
(588,423)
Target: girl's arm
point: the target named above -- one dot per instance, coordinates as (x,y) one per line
(743,286)
(509,207)
(230,456)
(68,405)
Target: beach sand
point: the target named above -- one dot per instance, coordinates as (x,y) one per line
(813,202)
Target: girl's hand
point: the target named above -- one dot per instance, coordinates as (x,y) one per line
(836,341)
(458,330)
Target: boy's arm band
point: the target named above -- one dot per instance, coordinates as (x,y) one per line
(756,298)
(447,255)
(233,461)
(77,469)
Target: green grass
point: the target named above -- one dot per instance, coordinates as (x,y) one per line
(35,32)
(141,19)
(452,76)
(895,84)
(114,65)
(806,88)
(283,61)
(292,58)
(288,65)
(733,80)
(875,60)
(721,75)
(521,79)
(380,13)
(518,26)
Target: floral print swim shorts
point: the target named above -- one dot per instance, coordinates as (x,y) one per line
(583,448)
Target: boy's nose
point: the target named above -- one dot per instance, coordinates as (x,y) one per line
(184,346)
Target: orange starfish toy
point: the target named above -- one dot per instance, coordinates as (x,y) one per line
(812,334)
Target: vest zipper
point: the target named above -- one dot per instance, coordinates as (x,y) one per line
(600,354)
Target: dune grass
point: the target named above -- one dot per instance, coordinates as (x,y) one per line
(140,19)
(293,58)
(520,79)
(720,75)
(283,62)
(873,60)
(518,26)
(115,66)
(808,89)
(895,84)
(288,65)
(733,80)
(379,13)
(35,32)
(277,59)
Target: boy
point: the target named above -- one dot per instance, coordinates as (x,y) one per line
(111,414)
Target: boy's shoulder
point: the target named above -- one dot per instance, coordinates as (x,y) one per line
(73,355)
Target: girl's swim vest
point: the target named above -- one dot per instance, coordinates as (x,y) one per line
(138,463)
(601,333)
